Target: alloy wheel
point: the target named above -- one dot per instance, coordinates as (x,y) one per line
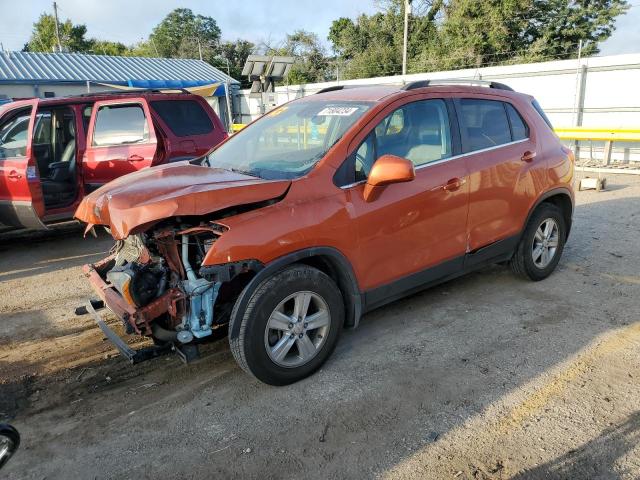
(297,329)
(545,243)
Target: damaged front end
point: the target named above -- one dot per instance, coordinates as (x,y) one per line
(156,284)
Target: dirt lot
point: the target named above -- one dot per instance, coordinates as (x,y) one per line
(483,377)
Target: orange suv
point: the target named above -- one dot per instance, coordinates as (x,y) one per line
(327,207)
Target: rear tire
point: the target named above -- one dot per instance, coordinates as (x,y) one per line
(290,326)
(541,245)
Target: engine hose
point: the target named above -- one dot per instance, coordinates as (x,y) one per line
(163,334)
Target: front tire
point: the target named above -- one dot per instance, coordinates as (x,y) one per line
(290,326)
(541,245)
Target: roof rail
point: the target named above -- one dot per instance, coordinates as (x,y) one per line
(330,89)
(455,81)
(133,91)
(342,87)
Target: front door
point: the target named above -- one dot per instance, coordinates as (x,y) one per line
(21,202)
(121,140)
(413,232)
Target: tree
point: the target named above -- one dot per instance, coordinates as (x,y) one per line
(105,47)
(558,26)
(471,33)
(43,36)
(484,32)
(236,54)
(372,45)
(311,62)
(183,34)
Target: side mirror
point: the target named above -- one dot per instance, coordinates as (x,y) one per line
(386,170)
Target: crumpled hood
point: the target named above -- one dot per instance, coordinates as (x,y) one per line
(156,193)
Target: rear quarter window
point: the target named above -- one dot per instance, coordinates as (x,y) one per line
(183,117)
(519,129)
(540,111)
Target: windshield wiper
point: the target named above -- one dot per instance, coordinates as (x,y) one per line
(244,172)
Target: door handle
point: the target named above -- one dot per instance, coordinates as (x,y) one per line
(528,156)
(453,184)
(135,158)
(13,175)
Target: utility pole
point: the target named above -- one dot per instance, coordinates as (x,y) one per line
(199,48)
(407,10)
(55,14)
(154,47)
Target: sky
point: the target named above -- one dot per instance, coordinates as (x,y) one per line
(129,21)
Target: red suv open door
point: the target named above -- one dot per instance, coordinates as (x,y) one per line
(121,139)
(21,201)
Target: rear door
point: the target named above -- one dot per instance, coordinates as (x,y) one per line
(21,202)
(121,139)
(500,150)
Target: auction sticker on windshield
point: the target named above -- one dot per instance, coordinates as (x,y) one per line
(338,111)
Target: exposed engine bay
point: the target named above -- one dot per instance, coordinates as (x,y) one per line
(163,290)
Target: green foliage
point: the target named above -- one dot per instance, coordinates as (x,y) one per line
(513,31)
(311,62)
(235,53)
(373,43)
(43,36)
(104,47)
(454,34)
(183,34)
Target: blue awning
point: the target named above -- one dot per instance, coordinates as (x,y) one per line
(162,84)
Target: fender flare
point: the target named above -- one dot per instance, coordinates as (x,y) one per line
(346,282)
(545,196)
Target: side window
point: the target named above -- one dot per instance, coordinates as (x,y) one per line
(183,117)
(484,122)
(519,129)
(418,131)
(365,156)
(42,135)
(120,125)
(13,135)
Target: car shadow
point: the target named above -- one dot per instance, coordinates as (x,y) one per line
(595,459)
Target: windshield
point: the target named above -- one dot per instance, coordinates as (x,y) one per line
(289,140)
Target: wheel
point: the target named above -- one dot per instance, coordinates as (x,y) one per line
(290,326)
(9,442)
(541,245)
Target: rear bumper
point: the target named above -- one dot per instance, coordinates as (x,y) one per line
(138,318)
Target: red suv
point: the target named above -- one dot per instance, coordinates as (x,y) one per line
(55,151)
(327,207)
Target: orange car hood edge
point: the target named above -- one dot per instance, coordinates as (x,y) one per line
(157,193)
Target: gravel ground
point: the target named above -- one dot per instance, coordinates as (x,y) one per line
(484,377)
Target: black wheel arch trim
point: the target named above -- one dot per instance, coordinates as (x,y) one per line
(547,195)
(347,282)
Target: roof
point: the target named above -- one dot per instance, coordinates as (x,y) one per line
(377,93)
(29,67)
